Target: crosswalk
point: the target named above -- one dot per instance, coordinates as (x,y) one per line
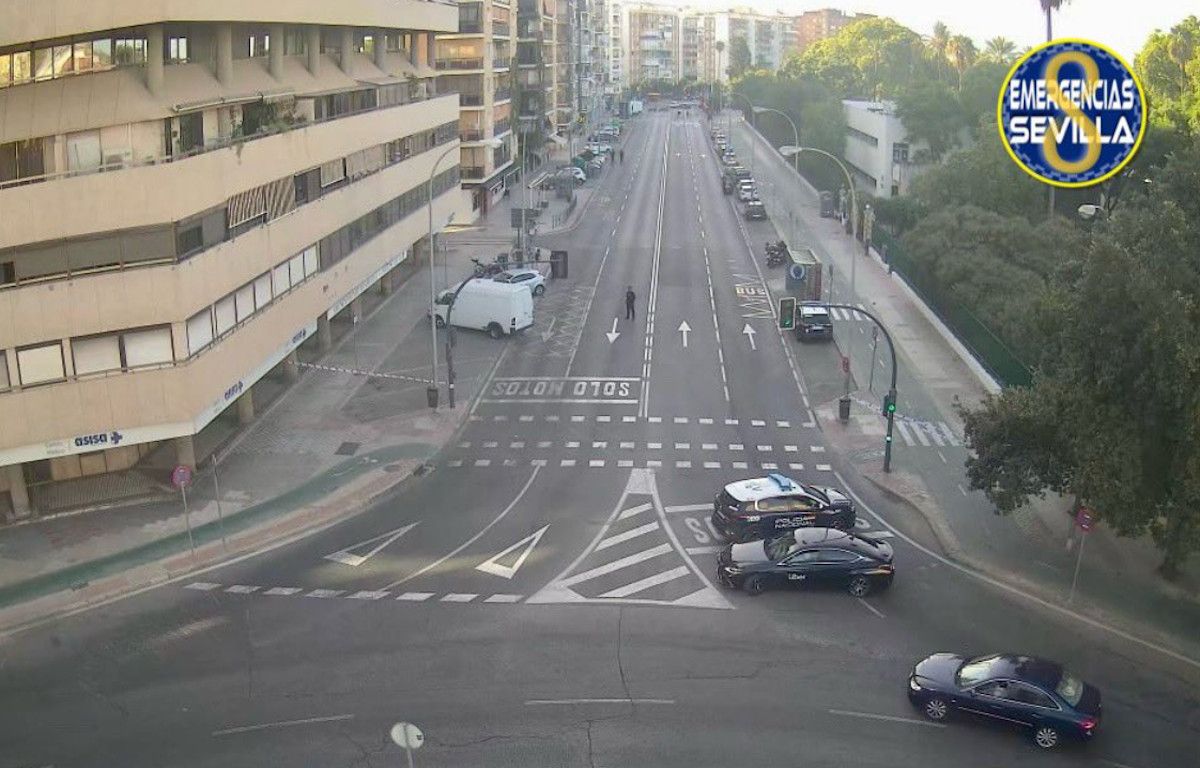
(640,463)
(840,313)
(926,433)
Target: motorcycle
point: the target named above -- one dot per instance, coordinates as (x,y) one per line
(776,247)
(777,259)
(487,270)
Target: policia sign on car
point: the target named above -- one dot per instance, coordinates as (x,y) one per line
(1071,113)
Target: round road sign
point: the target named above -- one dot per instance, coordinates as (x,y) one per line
(181,476)
(797,271)
(407,735)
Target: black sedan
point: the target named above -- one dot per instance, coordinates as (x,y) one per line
(1026,691)
(764,507)
(808,556)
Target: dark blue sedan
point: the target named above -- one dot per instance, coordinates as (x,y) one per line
(1026,691)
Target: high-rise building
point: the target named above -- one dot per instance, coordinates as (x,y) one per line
(651,49)
(812,26)
(476,62)
(536,82)
(187,199)
(768,37)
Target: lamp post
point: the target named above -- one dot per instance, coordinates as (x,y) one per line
(753,111)
(433,385)
(791,122)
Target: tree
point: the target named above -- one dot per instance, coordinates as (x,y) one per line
(1048,7)
(939,45)
(740,58)
(1000,49)
(931,114)
(982,175)
(871,58)
(978,92)
(1169,66)
(962,55)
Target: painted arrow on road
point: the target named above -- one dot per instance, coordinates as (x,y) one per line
(750,335)
(684,328)
(614,333)
(348,557)
(546,334)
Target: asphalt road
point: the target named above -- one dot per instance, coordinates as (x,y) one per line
(545,596)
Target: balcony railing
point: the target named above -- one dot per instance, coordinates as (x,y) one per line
(459,64)
(470,134)
(502,94)
(501,62)
(501,28)
(470,99)
(502,126)
(472,171)
(469,27)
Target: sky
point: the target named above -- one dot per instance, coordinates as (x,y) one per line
(1105,21)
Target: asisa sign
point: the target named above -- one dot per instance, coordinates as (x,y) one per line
(1071,113)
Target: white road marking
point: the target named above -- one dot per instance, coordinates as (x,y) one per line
(599,444)
(202,586)
(770,465)
(368,595)
(458,597)
(791,448)
(493,566)
(654,419)
(869,607)
(603,419)
(900,426)
(490,444)
(708,446)
(783,424)
(683,465)
(545,443)
(242,589)
(934,434)
(817,448)
(282,724)
(740,465)
(888,718)
(757,423)
(683,446)
(596,462)
(537,462)
(632,533)
(629,419)
(349,557)
(566,463)
(552,702)
(731,422)
(325,593)
(502,598)
(706,420)
(823,468)
(764,448)
(628,446)
(686,508)
(737,447)
(504,512)
(795,466)
(526,417)
(571,444)
(616,565)
(415,597)
(283,591)
(653,464)
(454,463)
(712,465)
(518,444)
(681,419)
(641,585)
(962,490)
(624,462)
(483,462)
(711,550)
(578,418)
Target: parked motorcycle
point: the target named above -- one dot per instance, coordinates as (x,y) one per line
(487,270)
(776,247)
(777,259)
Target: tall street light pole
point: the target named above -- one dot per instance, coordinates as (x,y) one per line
(791,122)
(433,385)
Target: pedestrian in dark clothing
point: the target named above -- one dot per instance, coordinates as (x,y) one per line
(622,153)
(630,298)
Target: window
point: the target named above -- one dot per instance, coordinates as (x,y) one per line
(900,152)
(260,44)
(244,298)
(837,556)
(96,354)
(189,239)
(83,151)
(129,51)
(177,50)
(312,263)
(295,42)
(102,56)
(5,382)
(296,269)
(41,364)
(225,313)
(281,279)
(997,689)
(199,330)
(1027,694)
(333,172)
(83,57)
(262,291)
(21,160)
(808,556)
(147,346)
(5,70)
(43,64)
(22,67)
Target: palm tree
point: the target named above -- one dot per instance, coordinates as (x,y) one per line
(720,46)
(1000,49)
(962,54)
(939,44)
(1049,6)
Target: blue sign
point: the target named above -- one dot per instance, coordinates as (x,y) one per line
(98,439)
(797,271)
(1071,113)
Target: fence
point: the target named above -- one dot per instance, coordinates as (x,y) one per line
(987,348)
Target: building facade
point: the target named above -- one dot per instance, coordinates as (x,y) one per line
(651,49)
(476,62)
(262,165)
(878,152)
(811,26)
(536,83)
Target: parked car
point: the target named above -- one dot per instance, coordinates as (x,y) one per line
(574,170)
(754,209)
(762,507)
(530,277)
(808,557)
(1026,691)
(746,190)
(813,321)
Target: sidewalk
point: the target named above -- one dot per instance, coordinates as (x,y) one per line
(1036,546)
(324,448)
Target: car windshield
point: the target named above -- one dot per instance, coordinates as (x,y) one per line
(975,670)
(1070,688)
(778,547)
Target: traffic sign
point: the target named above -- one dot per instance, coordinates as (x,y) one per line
(181,476)
(845,364)
(1085,519)
(407,735)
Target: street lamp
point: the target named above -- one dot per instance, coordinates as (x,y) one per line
(433,385)
(791,122)
(753,111)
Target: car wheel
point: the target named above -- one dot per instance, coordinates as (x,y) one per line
(754,584)
(1046,737)
(495,331)
(936,709)
(538,290)
(859,586)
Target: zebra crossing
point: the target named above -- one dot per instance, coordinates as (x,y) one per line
(839,313)
(927,434)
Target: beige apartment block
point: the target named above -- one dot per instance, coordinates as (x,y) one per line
(188,192)
(476,61)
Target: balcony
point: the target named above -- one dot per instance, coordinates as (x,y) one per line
(501,94)
(501,29)
(470,99)
(501,127)
(470,27)
(470,134)
(460,64)
(472,171)
(501,62)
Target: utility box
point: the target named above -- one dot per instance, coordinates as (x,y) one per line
(558,264)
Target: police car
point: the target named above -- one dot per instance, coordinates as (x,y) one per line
(763,507)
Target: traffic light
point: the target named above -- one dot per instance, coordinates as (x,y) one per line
(889,405)
(787,312)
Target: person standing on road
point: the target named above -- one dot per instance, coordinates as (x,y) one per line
(630,298)
(622,155)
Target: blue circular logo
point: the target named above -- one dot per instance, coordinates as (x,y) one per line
(1071,113)
(797,271)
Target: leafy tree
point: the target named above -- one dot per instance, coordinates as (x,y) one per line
(962,54)
(931,113)
(740,58)
(1000,49)
(981,175)
(875,58)
(1169,66)
(979,91)
(939,46)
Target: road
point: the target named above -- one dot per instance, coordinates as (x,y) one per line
(545,596)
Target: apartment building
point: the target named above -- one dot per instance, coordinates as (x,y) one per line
(811,26)
(651,48)
(476,61)
(881,157)
(189,194)
(614,54)
(536,84)
(769,37)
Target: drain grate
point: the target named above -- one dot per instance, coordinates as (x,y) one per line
(348,449)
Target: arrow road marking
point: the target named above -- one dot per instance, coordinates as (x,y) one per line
(546,334)
(750,335)
(347,557)
(492,566)
(684,328)
(614,333)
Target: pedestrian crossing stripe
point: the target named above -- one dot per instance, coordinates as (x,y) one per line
(926,433)
(643,464)
(604,418)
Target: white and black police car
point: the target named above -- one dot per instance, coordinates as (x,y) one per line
(763,507)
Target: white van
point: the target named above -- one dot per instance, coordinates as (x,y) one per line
(486,305)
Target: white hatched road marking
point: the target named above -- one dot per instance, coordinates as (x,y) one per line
(653,446)
(202,586)
(823,468)
(242,589)
(369,595)
(817,448)
(616,565)
(632,533)
(596,462)
(712,465)
(683,465)
(627,513)
(900,426)
(641,585)
(415,597)
(932,431)
(708,446)
(624,462)
(502,598)
(483,462)
(764,448)
(566,463)
(599,444)
(325,593)
(740,465)
(770,465)
(458,597)
(736,447)
(686,508)
(283,591)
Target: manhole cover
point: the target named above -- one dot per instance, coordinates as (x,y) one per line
(348,449)
(391,468)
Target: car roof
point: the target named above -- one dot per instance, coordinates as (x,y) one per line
(771,486)
(831,537)
(1033,669)
(813,310)
(519,271)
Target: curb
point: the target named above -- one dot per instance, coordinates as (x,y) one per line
(946,538)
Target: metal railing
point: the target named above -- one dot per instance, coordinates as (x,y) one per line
(470,134)
(211,146)
(502,94)
(502,126)
(472,171)
(459,64)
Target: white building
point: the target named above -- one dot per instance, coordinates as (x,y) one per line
(878,152)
